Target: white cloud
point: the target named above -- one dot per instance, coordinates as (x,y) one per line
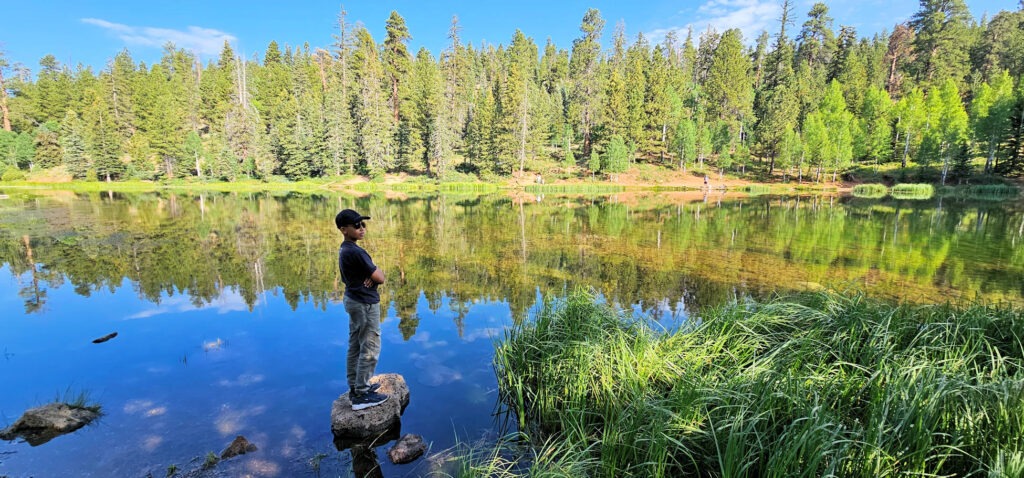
(204,41)
(750,16)
(228,301)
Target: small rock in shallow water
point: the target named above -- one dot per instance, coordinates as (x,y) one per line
(105,338)
(409,448)
(240,446)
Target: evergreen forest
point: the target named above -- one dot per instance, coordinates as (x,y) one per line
(941,95)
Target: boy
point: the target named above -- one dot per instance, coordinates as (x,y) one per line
(362,302)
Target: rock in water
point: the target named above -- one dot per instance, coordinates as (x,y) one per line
(239,446)
(105,338)
(42,424)
(408,448)
(360,425)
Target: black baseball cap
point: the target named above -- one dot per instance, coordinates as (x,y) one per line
(347,217)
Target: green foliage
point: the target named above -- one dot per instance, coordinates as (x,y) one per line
(594,164)
(616,156)
(812,385)
(12,173)
(210,461)
(912,191)
(16,149)
(74,153)
(872,191)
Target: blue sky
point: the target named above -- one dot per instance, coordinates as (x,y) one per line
(92,32)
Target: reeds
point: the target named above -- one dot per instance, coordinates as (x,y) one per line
(817,385)
(870,191)
(912,191)
(574,188)
(757,189)
(985,192)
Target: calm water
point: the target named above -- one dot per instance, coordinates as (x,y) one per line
(228,318)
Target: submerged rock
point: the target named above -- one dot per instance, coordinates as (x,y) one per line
(42,424)
(239,446)
(355,426)
(408,448)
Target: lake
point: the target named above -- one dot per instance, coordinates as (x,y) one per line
(229,321)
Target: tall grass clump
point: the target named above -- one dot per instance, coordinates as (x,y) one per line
(819,384)
(573,188)
(870,191)
(757,189)
(460,187)
(985,192)
(912,191)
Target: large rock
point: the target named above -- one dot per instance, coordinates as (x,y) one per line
(42,424)
(360,426)
(409,448)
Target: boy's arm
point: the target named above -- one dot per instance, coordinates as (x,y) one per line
(375,279)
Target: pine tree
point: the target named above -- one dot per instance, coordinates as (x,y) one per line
(616,156)
(105,143)
(941,42)
(656,102)
(583,66)
(74,150)
(47,146)
(776,105)
(729,86)
(370,110)
(397,65)
(340,130)
(685,141)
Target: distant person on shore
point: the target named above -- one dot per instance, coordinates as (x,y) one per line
(362,302)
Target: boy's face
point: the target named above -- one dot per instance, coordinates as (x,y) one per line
(354,232)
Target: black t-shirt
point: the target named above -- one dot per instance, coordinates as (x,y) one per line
(356,266)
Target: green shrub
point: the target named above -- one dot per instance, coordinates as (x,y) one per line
(12,173)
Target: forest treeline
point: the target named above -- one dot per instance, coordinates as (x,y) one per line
(941,92)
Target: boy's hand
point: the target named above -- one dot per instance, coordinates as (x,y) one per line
(368,283)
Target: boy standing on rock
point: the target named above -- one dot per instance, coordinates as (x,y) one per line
(362,302)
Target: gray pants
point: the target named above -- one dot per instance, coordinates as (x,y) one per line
(363,344)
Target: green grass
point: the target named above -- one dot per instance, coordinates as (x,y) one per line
(912,191)
(818,384)
(757,189)
(988,192)
(871,191)
(211,460)
(80,399)
(574,188)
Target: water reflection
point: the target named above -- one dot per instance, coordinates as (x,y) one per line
(226,304)
(232,249)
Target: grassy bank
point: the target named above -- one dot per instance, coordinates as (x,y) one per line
(814,385)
